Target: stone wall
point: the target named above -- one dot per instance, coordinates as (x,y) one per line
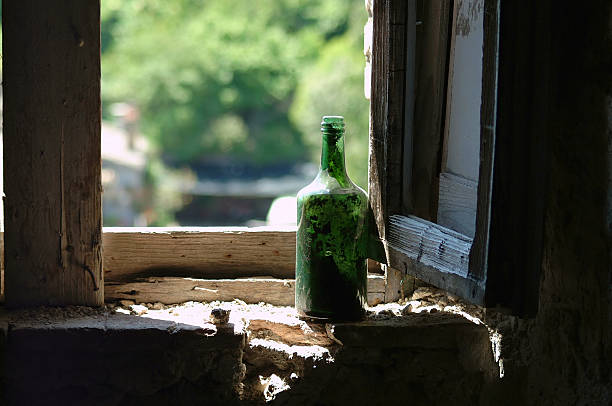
(176,356)
(80,356)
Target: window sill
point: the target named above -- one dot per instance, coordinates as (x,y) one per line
(171,290)
(176,265)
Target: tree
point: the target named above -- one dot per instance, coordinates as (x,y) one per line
(216,79)
(334,86)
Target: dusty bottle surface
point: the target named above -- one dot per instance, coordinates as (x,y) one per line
(331,250)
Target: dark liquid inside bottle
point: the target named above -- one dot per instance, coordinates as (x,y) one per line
(331,268)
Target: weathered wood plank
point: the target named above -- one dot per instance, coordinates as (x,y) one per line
(205,252)
(171,290)
(375,267)
(144,264)
(433,254)
(387,108)
(377,290)
(431,78)
(53,216)
(393,284)
(430,244)
(457,204)
(396,10)
(409,104)
(367,51)
(488,123)
(469,289)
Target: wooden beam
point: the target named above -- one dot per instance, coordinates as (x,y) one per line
(198,252)
(393,284)
(431,83)
(175,265)
(53,216)
(488,139)
(172,290)
(410,84)
(387,109)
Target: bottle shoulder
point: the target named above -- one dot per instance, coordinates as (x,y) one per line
(324,184)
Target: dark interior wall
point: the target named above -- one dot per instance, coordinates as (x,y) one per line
(563,356)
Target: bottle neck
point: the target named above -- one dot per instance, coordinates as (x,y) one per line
(332,156)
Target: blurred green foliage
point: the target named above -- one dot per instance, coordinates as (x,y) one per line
(238,79)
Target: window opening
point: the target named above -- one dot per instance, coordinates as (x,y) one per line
(211,109)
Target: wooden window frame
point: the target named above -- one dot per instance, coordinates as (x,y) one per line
(53,126)
(496,268)
(178,264)
(433,253)
(53,228)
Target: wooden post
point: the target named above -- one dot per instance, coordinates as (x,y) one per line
(387,109)
(53,216)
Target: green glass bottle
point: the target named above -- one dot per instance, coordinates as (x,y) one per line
(331,267)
